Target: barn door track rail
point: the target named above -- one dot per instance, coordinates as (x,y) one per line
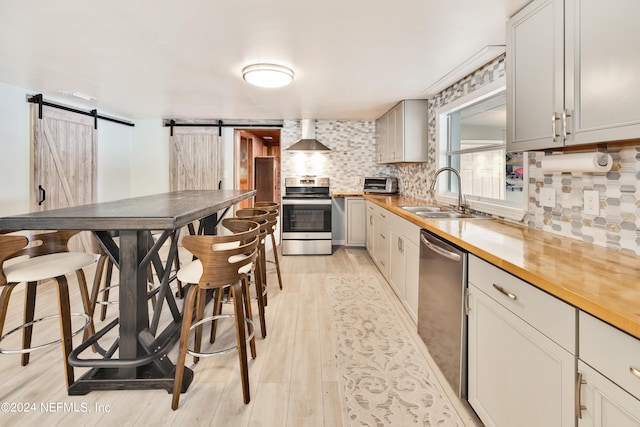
(220,124)
(39,99)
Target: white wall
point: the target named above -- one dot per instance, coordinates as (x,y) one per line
(114,146)
(14,151)
(228,154)
(149,158)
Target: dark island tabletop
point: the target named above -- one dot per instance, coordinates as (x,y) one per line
(159,211)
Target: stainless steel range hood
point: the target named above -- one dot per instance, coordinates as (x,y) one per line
(309,142)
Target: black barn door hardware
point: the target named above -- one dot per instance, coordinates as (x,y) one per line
(42,194)
(39,99)
(219,124)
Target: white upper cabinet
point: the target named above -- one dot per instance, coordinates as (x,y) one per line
(572,73)
(401,133)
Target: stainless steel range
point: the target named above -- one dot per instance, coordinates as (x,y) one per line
(306,216)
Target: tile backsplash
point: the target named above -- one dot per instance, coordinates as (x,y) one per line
(618,224)
(352,156)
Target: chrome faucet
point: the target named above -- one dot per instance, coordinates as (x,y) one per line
(457,174)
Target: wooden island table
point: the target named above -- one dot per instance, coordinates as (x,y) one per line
(141,361)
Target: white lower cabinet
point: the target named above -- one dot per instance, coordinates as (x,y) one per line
(397,270)
(378,238)
(609,372)
(518,375)
(603,403)
(355,224)
(403,269)
(393,243)
(370,227)
(381,248)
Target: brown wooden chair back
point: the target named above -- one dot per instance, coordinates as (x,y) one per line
(48,243)
(221,267)
(9,247)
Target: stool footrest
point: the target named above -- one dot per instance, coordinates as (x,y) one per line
(87,320)
(225,350)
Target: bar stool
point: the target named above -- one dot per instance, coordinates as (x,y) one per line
(274,211)
(48,258)
(259,277)
(222,260)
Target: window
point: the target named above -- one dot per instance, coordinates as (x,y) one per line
(471,137)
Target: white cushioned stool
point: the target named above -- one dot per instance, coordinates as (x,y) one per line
(47,259)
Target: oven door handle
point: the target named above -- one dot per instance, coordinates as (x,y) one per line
(440,251)
(306,202)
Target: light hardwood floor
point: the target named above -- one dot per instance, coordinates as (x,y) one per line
(293,380)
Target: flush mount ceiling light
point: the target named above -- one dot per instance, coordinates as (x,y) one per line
(267,75)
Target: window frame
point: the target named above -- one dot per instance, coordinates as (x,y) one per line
(487,205)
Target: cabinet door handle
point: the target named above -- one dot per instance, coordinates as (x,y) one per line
(554,119)
(579,406)
(467,306)
(383,236)
(634,371)
(565,132)
(505,292)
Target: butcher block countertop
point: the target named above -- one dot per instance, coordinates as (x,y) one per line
(601,281)
(346,194)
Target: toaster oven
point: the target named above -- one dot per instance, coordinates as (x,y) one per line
(385,185)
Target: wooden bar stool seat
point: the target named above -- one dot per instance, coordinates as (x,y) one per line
(222,261)
(274,212)
(47,258)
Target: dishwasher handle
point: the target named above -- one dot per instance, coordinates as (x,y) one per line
(440,251)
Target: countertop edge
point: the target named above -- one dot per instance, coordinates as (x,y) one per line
(627,322)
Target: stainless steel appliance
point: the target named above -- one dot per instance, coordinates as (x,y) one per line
(442,321)
(381,185)
(306,216)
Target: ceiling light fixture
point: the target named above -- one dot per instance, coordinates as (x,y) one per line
(78,95)
(267,75)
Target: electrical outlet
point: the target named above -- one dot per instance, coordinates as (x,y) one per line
(591,202)
(548,197)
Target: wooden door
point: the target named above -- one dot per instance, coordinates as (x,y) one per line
(265,179)
(195,159)
(64,164)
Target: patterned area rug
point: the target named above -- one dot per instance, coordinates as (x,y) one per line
(385,380)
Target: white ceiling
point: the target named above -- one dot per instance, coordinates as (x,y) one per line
(353,59)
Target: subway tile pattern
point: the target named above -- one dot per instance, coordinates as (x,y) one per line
(618,224)
(352,156)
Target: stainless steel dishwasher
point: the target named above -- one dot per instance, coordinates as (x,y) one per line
(442,321)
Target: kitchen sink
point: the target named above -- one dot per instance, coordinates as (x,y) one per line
(438,212)
(445,215)
(426,208)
